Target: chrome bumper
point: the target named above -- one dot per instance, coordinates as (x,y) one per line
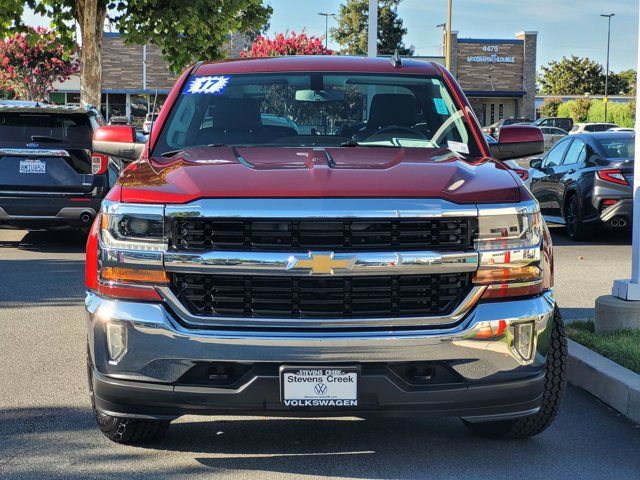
(160,349)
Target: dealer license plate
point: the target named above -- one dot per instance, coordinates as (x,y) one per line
(33,166)
(319,387)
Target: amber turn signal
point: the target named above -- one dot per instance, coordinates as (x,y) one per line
(135,275)
(489,276)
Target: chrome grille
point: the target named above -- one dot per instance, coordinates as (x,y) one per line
(310,297)
(201,234)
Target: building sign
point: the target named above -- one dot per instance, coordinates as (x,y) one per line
(491,56)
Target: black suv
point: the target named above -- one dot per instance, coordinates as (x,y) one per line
(49,177)
(586,181)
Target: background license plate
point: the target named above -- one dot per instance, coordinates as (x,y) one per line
(319,387)
(32,166)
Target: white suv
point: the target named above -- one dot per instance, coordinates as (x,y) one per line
(591,127)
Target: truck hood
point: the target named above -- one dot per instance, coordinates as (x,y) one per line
(227,172)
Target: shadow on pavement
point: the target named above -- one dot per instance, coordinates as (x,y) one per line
(69,446)
(42,281)
(53,241)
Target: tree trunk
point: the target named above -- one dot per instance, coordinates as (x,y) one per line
(91,15)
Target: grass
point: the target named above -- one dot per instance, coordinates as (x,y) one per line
(622,346)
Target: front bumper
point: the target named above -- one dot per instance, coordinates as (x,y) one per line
(486,377)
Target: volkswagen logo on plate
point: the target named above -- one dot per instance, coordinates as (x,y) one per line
(320,389)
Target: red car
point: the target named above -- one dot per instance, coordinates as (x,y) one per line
(364,254)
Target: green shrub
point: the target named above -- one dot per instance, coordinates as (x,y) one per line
(579,109)
(550,107)
(563,110)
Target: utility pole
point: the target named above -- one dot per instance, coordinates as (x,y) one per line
(372,36)
(606,78)
(326,26)
(448,45)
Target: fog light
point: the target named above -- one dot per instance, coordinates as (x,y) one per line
(116,340)
(524,339)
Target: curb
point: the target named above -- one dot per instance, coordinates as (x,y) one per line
(615,385)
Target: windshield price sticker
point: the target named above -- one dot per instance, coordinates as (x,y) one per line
(441,106)
(206,85)
(319,387)
(458,147)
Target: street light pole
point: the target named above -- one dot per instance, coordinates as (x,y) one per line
(444,39)
(326,26)
(448,45)
(606,78)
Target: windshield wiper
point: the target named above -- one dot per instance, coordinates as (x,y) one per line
(45,138)
(171,153)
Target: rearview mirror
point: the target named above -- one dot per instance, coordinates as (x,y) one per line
(518,141)
(319,95)
(117,141)
(536,163)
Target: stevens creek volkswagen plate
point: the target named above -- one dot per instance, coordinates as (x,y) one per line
(319,387)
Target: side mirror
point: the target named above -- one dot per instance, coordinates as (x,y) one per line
(117,141)
(518,141)
(536,163)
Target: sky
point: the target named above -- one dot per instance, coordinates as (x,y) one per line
(570,27)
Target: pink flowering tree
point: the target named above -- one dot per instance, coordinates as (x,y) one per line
(31,62)
(291,44)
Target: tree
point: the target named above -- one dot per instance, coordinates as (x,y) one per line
(353,19)
(572,76)
(550,107)
(32,61)
(292,44)
(183,30)
(623,83)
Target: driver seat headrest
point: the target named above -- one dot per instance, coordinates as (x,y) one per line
(392,109)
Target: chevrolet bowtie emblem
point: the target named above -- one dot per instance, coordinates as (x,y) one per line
(321,262)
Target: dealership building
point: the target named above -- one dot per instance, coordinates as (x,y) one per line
(498,76)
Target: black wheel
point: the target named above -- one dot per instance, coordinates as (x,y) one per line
(575,227)
(130,431)
(554,387)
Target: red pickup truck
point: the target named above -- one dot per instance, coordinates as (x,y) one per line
(321,236)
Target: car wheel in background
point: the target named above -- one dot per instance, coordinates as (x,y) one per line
(576,228)
(554,387)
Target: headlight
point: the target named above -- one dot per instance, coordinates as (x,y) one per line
(510,248)
(133,227)
(132,242)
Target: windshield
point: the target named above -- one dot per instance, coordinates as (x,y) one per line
(21,127)
(316,110)
(617,148)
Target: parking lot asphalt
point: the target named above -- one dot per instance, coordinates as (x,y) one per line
(46,428)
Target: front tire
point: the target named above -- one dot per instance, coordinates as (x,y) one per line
(130,431)
(554,387)
(576,228)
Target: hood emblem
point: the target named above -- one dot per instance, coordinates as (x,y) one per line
(321,263)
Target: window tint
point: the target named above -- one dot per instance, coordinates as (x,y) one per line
(576,153)
(617,148)
(21,127)
(554,157)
